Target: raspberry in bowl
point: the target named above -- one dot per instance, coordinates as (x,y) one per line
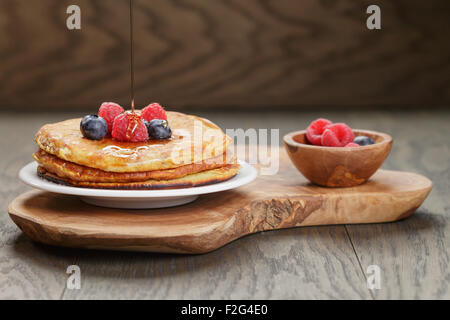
(337,157)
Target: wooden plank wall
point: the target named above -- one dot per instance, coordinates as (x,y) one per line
(225,54)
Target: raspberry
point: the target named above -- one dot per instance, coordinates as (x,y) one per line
(153,111)
(315,130)
(351,144)
(337,135)
(129,127)
(109,111)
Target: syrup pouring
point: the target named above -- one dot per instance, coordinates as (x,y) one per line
(131,56)
(130,126)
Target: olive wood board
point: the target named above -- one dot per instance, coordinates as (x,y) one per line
(270,202)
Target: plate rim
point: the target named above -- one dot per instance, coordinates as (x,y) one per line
(28,175)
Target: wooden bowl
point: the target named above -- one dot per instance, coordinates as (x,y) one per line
(337,167)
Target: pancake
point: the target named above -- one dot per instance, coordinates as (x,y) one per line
(75,172)
(194,139)
(192,180)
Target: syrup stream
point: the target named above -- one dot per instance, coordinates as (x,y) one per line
(134,118)
(131,56)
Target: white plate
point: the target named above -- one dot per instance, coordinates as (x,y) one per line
(137,199)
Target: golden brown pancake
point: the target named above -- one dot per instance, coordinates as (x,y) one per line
(72,171)
(192,180)
(195,155)
(194,139)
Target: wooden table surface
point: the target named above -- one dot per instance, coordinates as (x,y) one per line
(327,262)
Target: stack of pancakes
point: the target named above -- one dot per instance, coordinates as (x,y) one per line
(198,153)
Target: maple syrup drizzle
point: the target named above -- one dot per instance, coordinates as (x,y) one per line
(133,121)
(133,118)
(131,58)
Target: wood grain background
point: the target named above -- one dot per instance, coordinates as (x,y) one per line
(225,54)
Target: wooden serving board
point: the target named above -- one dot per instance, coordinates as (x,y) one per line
(270,202)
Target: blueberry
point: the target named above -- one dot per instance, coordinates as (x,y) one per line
(93,127)
(363,140)
(158,129)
